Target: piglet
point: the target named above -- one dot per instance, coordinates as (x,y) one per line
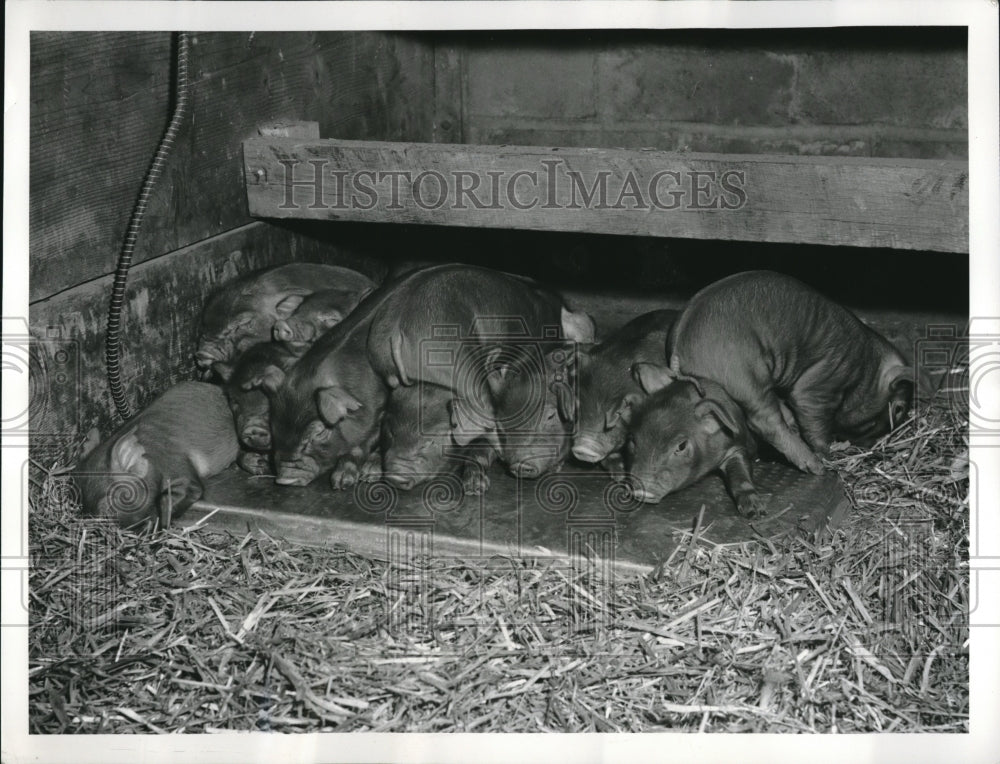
(243,312)
(509,344)
(771,341)
(416,441)
(607,388)
(152,467)
(312,315)
(682,431)
(243,382)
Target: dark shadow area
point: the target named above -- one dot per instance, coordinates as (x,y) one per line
(877,279)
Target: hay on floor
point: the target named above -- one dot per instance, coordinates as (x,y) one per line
(195,630)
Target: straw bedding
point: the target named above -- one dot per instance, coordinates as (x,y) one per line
(861,629)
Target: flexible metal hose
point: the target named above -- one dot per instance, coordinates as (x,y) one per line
(112,343)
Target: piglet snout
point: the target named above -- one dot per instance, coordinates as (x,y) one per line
(400,480)
(640,491)
(587,450)
(257,437)
(529,470)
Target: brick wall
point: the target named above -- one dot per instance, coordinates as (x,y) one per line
(856,92)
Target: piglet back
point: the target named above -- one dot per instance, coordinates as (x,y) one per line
(190,422)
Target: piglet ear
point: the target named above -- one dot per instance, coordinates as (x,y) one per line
(329,318)
(578,326)
(335,403)
(900,391)
(241,320)
(397,352)
(270,378)
(128,455)
(466,426)
(899,380)
(715,416)
(223,370)
(652,377)
(289,305)
(565,400)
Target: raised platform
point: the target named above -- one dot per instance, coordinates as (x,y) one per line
(572,512)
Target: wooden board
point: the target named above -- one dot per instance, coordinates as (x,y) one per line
(546,518)
(898,203)
(100,102)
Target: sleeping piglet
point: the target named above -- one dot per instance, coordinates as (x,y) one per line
(770,340)
(242,312)
(312,315)
(681,432)
(416,441)
(243,383)
(154,464)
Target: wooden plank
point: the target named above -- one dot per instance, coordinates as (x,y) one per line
(862,202)
(100,102)
(541,518)
(300,130)
(69,392)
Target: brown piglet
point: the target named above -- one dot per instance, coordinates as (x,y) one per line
(153,466)
(771,342)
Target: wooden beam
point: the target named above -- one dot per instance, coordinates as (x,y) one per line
(863,202)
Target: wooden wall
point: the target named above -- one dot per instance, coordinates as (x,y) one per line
(814,92)
(99,105)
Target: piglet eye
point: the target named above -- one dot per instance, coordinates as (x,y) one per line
(681,447)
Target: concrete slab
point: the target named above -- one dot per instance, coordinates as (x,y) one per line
(576,511)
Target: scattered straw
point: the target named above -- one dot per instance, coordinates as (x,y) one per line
(197,630)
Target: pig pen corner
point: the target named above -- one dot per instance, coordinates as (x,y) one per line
(476,377)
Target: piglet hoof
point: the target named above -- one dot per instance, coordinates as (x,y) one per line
(475,482)
(254,463)
(812,464)
(371,472)
(344,475)
(751,505)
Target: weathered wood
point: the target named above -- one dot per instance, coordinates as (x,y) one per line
(160,320)
(300,130)
(898,203)
(100,103)
(448,101)
(516,517)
